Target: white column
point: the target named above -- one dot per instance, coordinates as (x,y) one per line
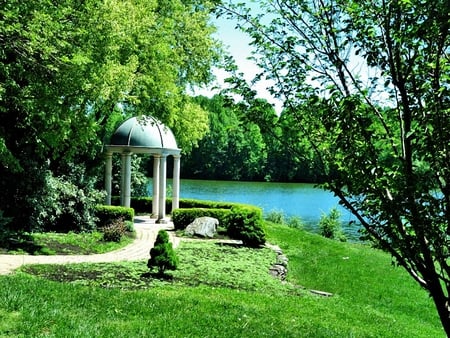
(108,177)
(155,197)
(122,178)
(176,182)
(162,189)
(125,191)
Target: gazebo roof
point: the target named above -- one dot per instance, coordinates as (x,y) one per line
(145,134)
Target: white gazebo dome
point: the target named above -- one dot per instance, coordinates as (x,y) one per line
(144,135)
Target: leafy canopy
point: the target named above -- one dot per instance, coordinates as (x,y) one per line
(366,85)
(71,70)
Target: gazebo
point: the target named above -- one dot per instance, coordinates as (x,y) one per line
(144,135)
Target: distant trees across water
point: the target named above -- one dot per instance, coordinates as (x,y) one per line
(235,149)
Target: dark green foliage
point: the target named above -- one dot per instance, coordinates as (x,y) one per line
(162,255)
(246,224)
(144,204)
(237,148)
(193,203)
(110,213)
(114,231)
(138,179)
(162,238)
(12,239)
(190,209)
(141,204)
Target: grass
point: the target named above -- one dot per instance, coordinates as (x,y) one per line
(222,291)
(201,263)
(51,243)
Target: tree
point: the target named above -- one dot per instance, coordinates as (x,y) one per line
(279,137)
(231,150)
(69,68)
(367,84)
(162,255)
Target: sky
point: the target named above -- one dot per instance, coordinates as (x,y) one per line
(237,44)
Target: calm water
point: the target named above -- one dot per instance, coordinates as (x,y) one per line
(294,199)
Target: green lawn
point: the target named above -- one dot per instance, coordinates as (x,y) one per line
(224,292)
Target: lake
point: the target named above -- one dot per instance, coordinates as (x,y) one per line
(294,199)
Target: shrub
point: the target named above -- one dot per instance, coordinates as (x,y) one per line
(162,255)
(67,203)
(107,214)
(330,225)
(295,222)
(241,221)
(144,204)
(141,204)
(193,203)
(183,217)
(129,225)
(114,231)
(275,216)
(6,233)
(246,224)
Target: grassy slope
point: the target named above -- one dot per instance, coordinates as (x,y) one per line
(366,283)
(371,299)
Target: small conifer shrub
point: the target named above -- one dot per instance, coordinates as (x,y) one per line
(162,255)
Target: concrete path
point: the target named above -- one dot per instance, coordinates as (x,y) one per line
(146,232)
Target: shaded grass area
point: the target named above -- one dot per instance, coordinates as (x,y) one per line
(225,292)
(51,243)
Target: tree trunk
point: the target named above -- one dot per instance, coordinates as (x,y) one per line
(444,314)
(442,304)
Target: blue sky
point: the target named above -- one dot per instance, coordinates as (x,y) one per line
(237,44)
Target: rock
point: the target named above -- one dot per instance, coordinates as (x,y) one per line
(282,260)
(202,226)
(321,293)
(278,271)
(280,268)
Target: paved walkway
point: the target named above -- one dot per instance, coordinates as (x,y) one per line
(146,232)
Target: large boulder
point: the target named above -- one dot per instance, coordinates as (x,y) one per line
(202,226)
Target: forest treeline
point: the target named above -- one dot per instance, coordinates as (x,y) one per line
(237,149)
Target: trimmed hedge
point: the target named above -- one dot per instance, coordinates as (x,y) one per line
(109,213)
(192,203)
(246,223)
(144,204)
(183,217)
(241,221)
(139,204)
